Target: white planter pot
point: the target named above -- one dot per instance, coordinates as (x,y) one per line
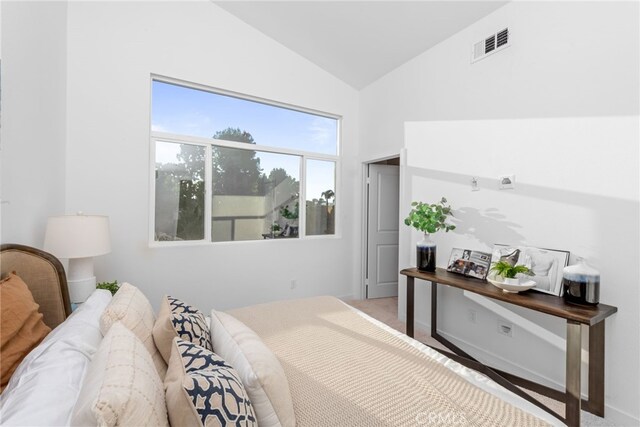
(514,281)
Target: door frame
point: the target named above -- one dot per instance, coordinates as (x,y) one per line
(364,219)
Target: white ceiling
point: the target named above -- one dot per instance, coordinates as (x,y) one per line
(359,41)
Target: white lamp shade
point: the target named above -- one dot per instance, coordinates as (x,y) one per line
(77,236)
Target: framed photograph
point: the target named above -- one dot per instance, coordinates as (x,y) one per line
(470,263)
(546,264)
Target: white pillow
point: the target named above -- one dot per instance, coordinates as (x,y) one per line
(259,369)
(45,387)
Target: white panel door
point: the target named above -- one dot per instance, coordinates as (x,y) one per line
(382,235)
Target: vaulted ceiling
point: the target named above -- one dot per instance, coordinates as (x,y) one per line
(359,41)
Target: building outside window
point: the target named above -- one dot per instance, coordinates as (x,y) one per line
(230,168)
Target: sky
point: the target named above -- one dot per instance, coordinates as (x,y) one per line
(187,111)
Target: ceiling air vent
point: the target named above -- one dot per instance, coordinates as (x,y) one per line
(489,44)
(492,44)
(502,38)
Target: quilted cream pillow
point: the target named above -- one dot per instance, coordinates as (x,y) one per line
(121,386)
(133,309)
(259,369)
(178,319)
(203,390)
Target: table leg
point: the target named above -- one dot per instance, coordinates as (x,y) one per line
(572,373)
(596,369)
(434,309)
(410,305)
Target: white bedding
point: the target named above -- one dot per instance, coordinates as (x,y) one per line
(45,387)
(346,370)
(48,398)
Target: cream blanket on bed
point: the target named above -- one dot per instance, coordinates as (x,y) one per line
(345,371)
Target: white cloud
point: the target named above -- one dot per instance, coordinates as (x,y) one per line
(156,127)
(323,135)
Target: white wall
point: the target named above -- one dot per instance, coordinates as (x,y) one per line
(113,48)
(569,80)
(33,134)
(567,59)
(89,150)
(569,206)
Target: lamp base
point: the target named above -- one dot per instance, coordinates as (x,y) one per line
(80,290)
(80,279)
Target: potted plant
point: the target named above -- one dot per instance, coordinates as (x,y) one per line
(290,214)
(109,286)
(275,228)
(291,230)
(508,271)
(428,218)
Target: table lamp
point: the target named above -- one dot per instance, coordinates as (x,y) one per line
(78,238)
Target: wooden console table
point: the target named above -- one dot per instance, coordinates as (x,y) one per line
(576,316)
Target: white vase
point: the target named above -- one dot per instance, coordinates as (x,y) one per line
(426,254)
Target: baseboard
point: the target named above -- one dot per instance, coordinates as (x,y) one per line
(619,417)
(419,325)
(492,359)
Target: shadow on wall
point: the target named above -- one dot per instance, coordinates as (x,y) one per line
(615,219)
(485,225)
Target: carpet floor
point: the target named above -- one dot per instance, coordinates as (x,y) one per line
(386,311)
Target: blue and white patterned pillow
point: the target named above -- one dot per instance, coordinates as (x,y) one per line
(178,306)
(201,382)
(193,328)
(178,319)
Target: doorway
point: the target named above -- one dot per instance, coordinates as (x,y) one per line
(381,235)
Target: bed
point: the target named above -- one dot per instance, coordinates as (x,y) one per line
(308,362)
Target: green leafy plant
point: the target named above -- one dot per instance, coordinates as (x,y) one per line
(430,218)
(290,214)
(275,227)
(508,271)
(110,286)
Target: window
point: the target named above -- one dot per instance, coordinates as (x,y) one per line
(321,196)
(180,190)
(229,168)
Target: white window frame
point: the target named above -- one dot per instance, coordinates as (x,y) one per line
(209,143)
